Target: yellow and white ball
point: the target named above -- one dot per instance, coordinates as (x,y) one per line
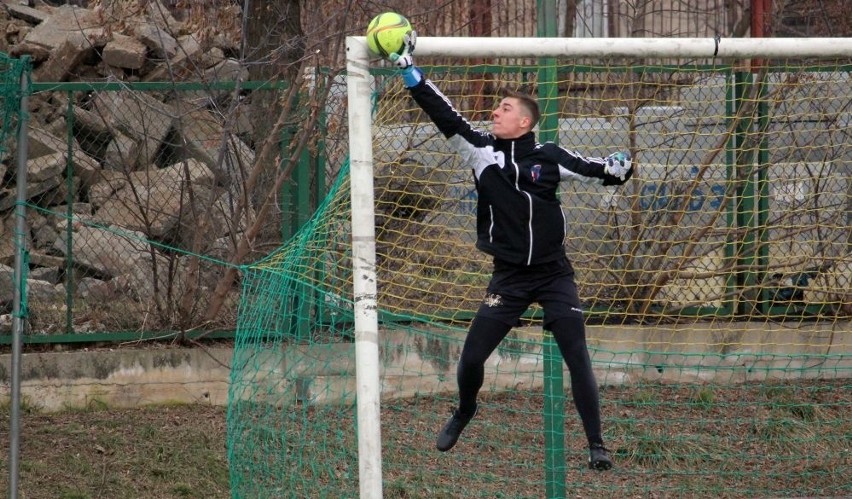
(386,33)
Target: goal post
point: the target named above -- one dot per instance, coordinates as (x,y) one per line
(360,95)
(359,91)
(722,48)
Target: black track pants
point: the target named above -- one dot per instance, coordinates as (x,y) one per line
(570,336)
(569,332)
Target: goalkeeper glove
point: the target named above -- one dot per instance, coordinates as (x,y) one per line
(618,164)
(411,74)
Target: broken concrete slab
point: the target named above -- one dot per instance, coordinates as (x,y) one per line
(66,56)
(46,167)
(140,117)
(66,21)
(25,12)
(8,197)
(182,65)
(107,252)
(154,201)
(201,138)
(42,143)
(124,52)
(161,44)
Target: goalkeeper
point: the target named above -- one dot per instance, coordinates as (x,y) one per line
(520,223)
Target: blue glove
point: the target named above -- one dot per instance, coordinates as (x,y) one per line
(411,74)
(618,164)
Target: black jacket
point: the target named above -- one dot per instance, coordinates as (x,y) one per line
(518,216)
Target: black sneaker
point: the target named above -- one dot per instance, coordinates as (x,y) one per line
(452,430)
(599,458)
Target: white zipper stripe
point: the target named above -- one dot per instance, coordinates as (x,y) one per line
(529,203)
(491,227)
(529,256)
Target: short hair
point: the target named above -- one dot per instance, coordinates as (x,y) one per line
(526,101)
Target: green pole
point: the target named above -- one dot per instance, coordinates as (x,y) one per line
(554,420)
(69,215)
(554,392)
(297,211)
(302,196)
(746,198)
(729,305)
(288,202)
(318,155)
(762,219)
(317,159)
(302,187)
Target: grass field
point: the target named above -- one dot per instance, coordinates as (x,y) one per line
(150,452)
(778,440)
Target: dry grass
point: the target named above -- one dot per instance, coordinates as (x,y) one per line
(152,452)
(756,440)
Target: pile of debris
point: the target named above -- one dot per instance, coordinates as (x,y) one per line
(144,165)
(124,40)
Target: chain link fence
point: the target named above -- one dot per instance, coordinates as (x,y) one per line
(140,194)
(137,200)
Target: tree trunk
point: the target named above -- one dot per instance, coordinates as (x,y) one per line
(274,45)
(272,49)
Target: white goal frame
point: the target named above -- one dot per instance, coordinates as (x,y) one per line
(361,170)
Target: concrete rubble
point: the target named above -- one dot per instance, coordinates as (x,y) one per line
(144,165)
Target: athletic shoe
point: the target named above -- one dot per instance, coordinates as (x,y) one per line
(452,430)
(599,458)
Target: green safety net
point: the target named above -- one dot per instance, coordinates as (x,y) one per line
(716,288)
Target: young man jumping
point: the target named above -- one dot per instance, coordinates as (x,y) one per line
(521,225)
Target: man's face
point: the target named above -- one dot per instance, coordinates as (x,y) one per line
(510,120)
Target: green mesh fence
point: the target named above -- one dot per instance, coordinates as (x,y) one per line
(131,215)
(15,74)
(11,69)
(716,286)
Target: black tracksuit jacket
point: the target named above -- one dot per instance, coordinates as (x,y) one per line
(519,219)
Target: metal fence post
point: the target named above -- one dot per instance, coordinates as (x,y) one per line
(19,302)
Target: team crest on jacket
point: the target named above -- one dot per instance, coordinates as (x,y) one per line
(535,172)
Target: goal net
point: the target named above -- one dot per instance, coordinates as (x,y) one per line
(716,284)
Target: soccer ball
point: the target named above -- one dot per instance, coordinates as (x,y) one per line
(386,33)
